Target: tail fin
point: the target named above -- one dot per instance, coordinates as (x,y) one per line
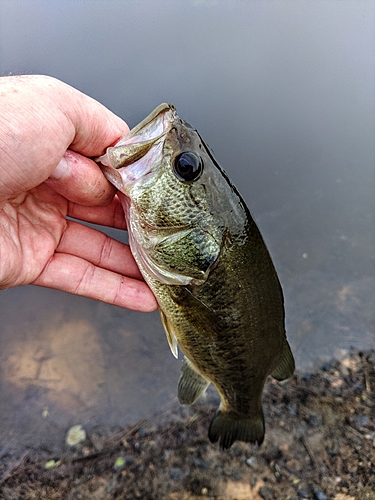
(229,427)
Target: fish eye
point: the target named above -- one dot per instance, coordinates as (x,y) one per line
(188,166)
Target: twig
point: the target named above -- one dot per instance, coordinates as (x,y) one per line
(14,469)
(309,452)
(354,431)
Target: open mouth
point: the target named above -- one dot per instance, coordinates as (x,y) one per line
(141,138)
(138,153)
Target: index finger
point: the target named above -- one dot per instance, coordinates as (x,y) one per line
(111,215)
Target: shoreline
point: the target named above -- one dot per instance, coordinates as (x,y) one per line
(319,445)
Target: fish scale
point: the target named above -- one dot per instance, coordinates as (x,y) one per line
(202,255)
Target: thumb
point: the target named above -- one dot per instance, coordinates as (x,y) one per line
(80,180)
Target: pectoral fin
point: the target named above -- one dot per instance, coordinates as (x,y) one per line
(191,384)
(171,337)
(286,366)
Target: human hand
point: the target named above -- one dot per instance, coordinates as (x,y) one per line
(47,132)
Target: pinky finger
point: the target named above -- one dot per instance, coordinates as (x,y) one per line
(77,276)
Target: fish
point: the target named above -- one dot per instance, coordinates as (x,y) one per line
(203,256)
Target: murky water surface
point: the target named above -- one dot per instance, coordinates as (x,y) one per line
(284,94)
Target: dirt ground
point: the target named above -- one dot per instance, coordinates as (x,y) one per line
(319,445)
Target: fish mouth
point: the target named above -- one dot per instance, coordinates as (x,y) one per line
(140,139)
(140,152)
(156,123)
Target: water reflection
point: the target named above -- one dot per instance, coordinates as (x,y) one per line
(68,360)
(284,93)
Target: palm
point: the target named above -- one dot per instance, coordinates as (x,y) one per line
(38,245)
(31,226)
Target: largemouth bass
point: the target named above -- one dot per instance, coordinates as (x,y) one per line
(203,256)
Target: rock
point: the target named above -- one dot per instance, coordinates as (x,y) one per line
(266,493)
(252,462)
(201,464)
(318,494)
(175,473)
(362,420)
(303,493)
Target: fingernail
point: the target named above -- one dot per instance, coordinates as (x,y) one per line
(60,170)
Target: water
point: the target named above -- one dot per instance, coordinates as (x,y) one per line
(284,94)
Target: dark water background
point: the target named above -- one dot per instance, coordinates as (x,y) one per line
(284,94)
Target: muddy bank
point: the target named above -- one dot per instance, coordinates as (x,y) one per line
(320,444)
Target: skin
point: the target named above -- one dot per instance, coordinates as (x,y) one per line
(48,132)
